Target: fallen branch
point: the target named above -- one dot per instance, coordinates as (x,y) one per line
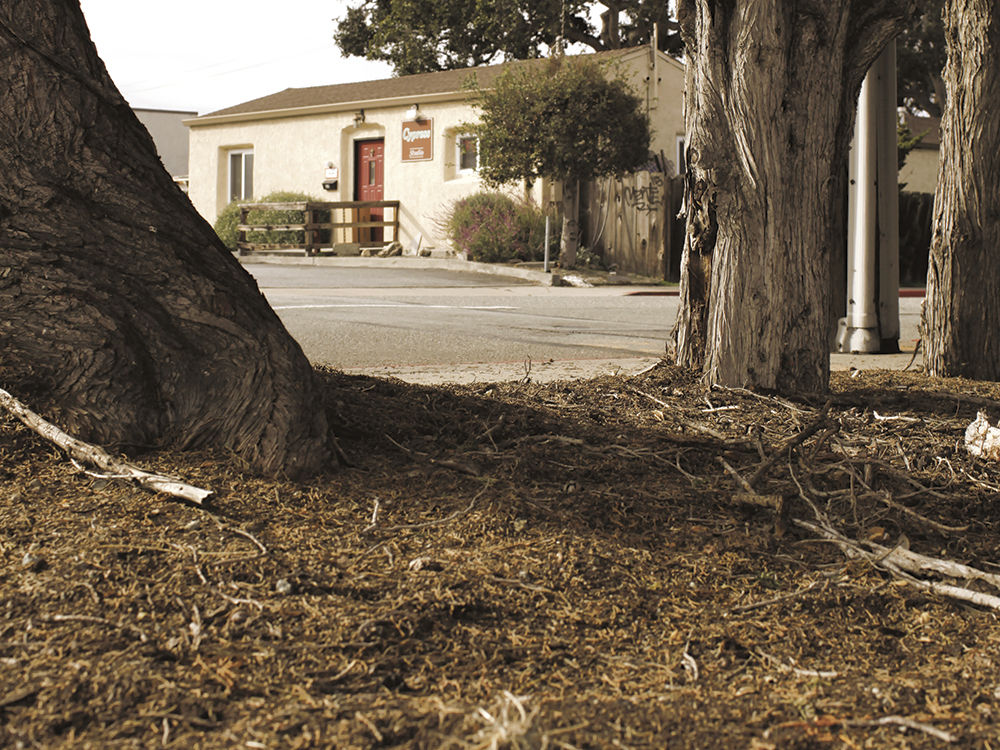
(906,565)
(899,721)
(774,600)
(903,721)
(89,620)
(95,456)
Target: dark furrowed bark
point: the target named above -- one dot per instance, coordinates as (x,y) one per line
(771,91)
(961,319)
(117,298)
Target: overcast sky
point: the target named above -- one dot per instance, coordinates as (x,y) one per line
(203,55)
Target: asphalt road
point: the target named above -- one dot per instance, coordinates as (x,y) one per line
(356,318)
(386,320)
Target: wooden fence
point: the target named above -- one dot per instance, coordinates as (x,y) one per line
(632,223)
(316,226)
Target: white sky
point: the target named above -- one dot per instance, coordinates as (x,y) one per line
(204,55)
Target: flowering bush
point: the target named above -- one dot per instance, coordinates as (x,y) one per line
(494,228)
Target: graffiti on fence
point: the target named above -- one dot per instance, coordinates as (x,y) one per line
(646,198)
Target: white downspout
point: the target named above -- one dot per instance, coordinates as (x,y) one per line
(861,334)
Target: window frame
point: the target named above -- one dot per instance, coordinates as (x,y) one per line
(243,153)
(460,138)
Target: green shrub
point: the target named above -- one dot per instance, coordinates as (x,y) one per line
(494,228)
(228,221)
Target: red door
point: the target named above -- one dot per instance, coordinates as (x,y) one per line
(369,185)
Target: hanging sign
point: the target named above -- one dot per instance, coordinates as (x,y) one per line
(418,140)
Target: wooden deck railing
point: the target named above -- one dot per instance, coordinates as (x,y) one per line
(324,225)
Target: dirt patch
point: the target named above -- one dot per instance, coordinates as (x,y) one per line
(615,562)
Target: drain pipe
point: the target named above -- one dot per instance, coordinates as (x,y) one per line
(859,331)
(548,226)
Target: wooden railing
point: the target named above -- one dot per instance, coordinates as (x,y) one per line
(324,226)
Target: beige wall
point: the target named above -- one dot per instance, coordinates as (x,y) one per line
(292,152)
(920,171)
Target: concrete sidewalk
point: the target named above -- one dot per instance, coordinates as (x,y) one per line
(876,361)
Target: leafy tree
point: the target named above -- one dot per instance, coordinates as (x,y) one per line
(119,307)
(920,59)
(417,36)
(566,120)
(772,87)
(961,318)
(906,141)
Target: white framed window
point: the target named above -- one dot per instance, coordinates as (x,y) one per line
(466,153)
(240,174)
(681,156)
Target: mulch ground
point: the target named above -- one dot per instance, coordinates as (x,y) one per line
(618,563)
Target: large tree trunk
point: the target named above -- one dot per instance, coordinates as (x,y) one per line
(771,94)
(120,307)
(961,318)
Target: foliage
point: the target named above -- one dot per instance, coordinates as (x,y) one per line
(417,36)
(228,221)
(920,59)
(564,120)
(494,228)
(906,141)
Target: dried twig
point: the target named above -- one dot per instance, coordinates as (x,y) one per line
(906,565)
(887,499)
(444,463)
(789,444)
(96,456)
(692,424)
(775,600)
(91,620)
(902,721)
(735,475)
(760,397)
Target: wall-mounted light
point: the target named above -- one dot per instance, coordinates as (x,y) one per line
(413,113)
(359,118)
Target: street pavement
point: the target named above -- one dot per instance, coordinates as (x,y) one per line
(431,320)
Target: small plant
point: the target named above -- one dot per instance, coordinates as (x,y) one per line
(226,226)
(587,258)
(495,228)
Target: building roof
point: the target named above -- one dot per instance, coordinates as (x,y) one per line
(923,125)
(422,84)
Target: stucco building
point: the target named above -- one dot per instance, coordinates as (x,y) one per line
(399,139)
(920,171)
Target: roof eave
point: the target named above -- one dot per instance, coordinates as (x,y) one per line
(325,109)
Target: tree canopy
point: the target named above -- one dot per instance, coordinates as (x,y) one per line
(417,36)
(567,120)
(921,54)
(575,122)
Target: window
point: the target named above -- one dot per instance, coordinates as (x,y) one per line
(241,174)
(681,161)
(468,153)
